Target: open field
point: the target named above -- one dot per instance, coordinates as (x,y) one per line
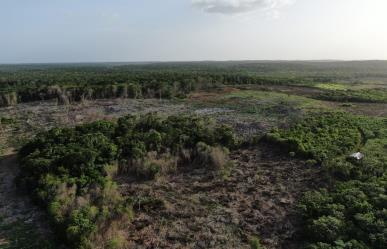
(217,155)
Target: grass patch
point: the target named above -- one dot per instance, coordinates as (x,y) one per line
(271,108)
(332,86)
(273,98)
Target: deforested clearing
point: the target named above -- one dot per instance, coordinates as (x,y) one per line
(194,155)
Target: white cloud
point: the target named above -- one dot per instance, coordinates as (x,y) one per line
(239,6)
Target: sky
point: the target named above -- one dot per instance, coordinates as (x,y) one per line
(42,31)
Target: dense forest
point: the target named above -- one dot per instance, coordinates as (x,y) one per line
(75,82)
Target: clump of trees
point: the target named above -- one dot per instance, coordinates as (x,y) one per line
(320,136)
(351,211)
(71,171)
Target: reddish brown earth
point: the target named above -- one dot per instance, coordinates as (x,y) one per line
(202,209)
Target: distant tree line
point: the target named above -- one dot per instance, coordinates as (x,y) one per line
(87,83)
(72,82)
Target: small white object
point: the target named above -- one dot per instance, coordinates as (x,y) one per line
(358,155)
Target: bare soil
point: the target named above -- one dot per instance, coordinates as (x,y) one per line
(203,209)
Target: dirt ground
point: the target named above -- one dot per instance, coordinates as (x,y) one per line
(15,207)
(201,209)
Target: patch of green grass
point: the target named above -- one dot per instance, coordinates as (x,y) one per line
(270,107)
(332,86)
(265,107)
(267,97)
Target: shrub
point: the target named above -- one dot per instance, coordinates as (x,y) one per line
(210,157)
(150,166)
(256,244)
(326,228)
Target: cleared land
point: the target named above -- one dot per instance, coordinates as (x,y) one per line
(257,196)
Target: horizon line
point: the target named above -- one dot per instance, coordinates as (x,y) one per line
(185,61)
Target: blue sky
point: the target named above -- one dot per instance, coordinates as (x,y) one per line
(176,30)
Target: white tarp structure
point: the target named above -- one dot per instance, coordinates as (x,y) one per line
(358,155)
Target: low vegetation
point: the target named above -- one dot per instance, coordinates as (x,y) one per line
(256,244)
(364,95)
(71,171)
(320,136)
(332,86)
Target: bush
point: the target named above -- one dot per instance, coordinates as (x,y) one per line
(146,169)
(256,244)
(326,228)
(210,157)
